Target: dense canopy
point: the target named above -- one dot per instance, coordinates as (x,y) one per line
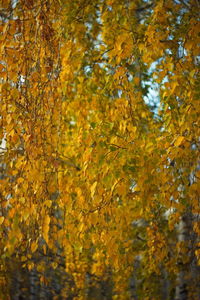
(99,154)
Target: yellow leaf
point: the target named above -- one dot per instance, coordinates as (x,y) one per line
(93,188)
(45,249)
(54,265)
(23,258)
(30,266)
(48,203)
(122,189)
(12,132)
(34,247)
(1,220)
(136,80)
(26,213)
(192,73)
(179,141)
(45,228)
(22,199)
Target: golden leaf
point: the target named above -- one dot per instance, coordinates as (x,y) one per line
(34,247)
(93,188)
(179,141)
(45,228)
(1,220)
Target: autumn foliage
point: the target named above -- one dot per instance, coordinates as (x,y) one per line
(100,139)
